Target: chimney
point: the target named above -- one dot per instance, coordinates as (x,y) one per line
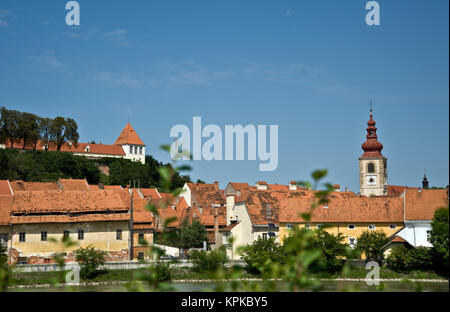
(216,185)
(261,185)
(101,185)
(336,187)
(292,185)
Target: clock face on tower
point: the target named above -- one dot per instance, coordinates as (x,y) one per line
(371,180)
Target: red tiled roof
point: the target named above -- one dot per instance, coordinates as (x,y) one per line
(67,202)
(206,195)
(112,187)
(342,207)
(94,187)
(20,185)
(398,239)
(150,192)
(128,136)
(5,208)
(103,149)
(73,184)
(5,188)
(422,205)
(398,189)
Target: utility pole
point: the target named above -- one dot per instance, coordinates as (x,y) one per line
(131,224)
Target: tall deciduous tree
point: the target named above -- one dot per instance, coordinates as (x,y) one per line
(371,243)
(28,129)
(440,241)
(62,130)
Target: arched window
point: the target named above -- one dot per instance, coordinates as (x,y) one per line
(370,168)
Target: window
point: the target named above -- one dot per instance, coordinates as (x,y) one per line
(371,226)
(289,226)
(429,236)
(307,226)
(119,234)
(131,149)
(319,226)
(66,234)
(325,206)
(370,168)
(264,235)
(80,234)
(140,150)
(44,236)
(140,256)
(141,238)
(392,226)
(351,226)
(351,241)
(22,237)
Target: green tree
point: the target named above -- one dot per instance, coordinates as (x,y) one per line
(5,270)
(90,260)
(9,126)
(371,243)
(439,238)
(333,251)
(62,130)
(257,254)
(28,129)
(44,131)
(192,235)
(210,261)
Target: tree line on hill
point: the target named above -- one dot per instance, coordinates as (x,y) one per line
(28,128)
(40,166)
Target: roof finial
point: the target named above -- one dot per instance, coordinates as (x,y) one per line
(371,104)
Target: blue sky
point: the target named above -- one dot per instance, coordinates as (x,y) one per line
(311,67)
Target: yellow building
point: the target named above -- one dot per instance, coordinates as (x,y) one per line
(31,222)
(346,213)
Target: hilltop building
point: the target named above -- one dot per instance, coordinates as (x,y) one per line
(128,145)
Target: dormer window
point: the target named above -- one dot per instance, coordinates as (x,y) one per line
(87,149)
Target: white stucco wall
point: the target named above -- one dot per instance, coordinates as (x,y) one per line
(132,155)
(415,233)
(186,194)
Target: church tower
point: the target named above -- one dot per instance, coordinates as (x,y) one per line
(372,164)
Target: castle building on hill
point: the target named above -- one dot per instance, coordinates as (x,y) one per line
(128,146)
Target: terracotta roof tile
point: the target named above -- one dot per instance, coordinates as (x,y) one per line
(73,184)
(343,207)
(5,209)
(67,202)
(128,136)
(150,192)
(397,190)
(20,185)
(5,188)
(422,205)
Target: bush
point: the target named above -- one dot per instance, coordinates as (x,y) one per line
(208,261)
(403,259)
(90,260)
(163,271)
(260,251)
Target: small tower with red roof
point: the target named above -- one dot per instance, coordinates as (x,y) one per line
(132,145)
(372,164)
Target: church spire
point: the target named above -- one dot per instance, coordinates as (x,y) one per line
(372,147)
(425,180)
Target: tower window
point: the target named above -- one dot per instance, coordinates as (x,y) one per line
(370,168)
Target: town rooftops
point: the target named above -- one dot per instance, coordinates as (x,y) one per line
(73,184)
(206,195)
(128,137)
